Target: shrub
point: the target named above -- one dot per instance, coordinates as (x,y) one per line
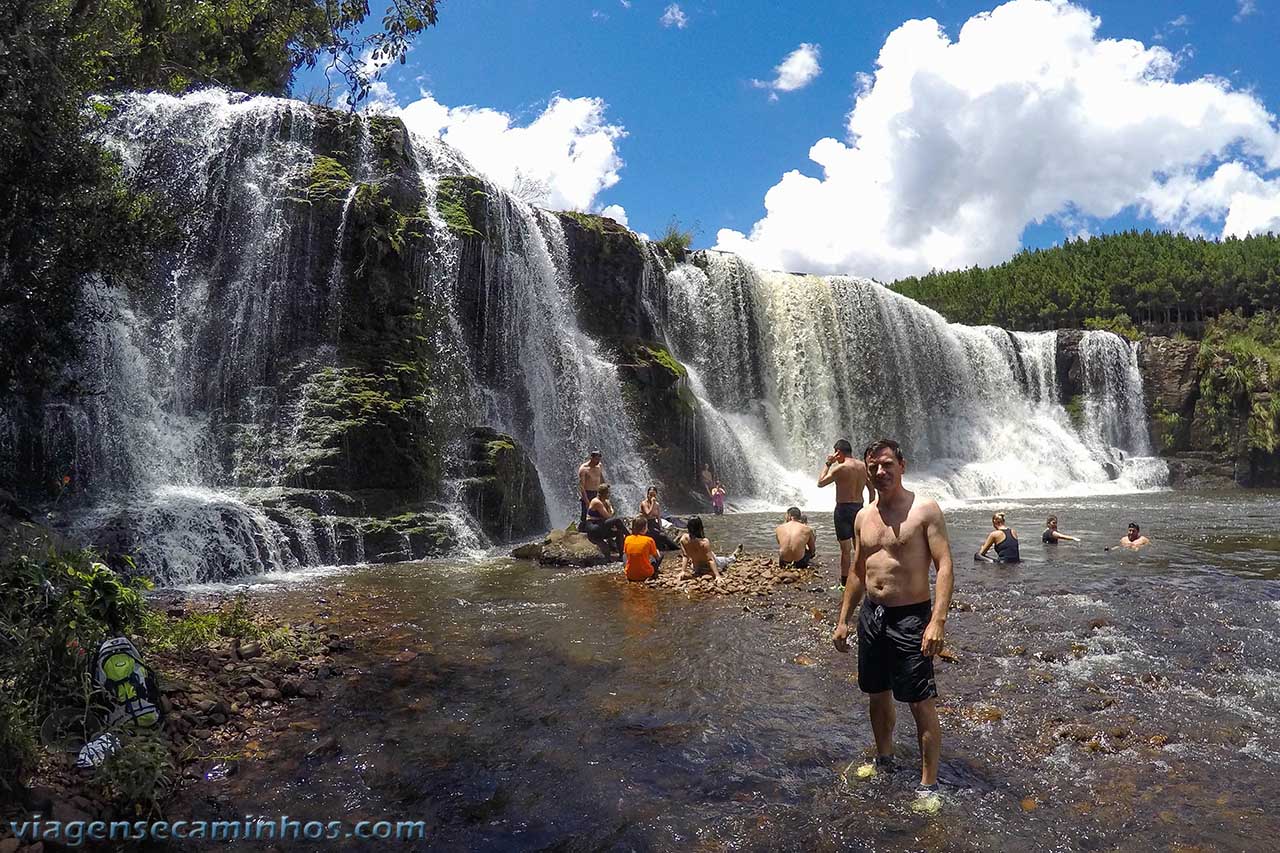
(55,613)
(139,774)
(17,747)
(1120,324)
(674,240)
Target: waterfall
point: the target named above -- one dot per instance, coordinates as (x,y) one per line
(1113,400)
(540,378)
(975,408)
(191,411)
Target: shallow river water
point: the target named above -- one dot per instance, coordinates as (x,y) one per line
(1096,701)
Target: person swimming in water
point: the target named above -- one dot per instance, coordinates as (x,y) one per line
(698,556)
(1005,541)
(1051,536)
(1133,539)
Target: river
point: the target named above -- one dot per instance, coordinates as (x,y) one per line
(1096,701)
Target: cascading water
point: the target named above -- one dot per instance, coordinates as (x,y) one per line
(976,409)
(1113,401)
(541,378)
(200,380)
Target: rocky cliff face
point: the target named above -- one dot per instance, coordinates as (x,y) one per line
(1203,419)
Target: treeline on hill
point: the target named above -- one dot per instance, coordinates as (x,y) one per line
(64,212)
(1110,282)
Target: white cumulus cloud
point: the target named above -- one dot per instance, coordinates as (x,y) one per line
(616,213)
(798,69)
(1245,8)
(954,147)
(566,156)
(674,16)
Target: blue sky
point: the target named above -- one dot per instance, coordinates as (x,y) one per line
(703,143)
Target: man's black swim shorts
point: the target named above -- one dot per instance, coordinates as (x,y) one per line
(889,653)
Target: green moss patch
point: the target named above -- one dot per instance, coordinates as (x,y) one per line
(328,180)
(460,200)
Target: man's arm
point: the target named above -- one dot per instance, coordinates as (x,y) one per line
(828,475)
(812,547)
(871,489)
(854,586)
(940,553)
(582,483)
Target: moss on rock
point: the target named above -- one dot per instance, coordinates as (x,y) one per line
(460,200)
(328,180)
(363,430)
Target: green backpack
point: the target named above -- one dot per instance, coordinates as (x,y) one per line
(130,685)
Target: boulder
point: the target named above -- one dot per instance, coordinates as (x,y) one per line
(572,549)
(1070,373)
(411,536)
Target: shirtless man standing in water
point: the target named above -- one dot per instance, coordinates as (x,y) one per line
(898,632)
(850,477)
(590,476)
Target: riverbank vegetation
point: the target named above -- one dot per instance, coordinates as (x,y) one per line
(1110,282)
(1239,365)
(225,671)
(64,211)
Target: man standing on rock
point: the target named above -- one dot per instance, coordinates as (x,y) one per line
(898,631)
(590,476)
(850,477)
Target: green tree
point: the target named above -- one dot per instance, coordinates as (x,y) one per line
(64,212)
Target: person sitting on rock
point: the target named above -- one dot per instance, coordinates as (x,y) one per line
(1005,540)
(1051,536)
(641,551)
(651,510)
(797,544)
(601,527)
(698,556)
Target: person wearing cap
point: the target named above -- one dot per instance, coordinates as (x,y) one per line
(590,476)
(1133,539)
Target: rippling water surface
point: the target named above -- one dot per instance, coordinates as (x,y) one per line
(1097,701)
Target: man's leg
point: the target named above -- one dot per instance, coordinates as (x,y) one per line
(929,733)
(846,559)
(883,717)
(582,516)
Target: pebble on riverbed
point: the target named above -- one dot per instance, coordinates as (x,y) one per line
(753,575)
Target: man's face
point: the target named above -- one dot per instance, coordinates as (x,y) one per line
(1133,533)
(595,460)
(839,455)
(885,469)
